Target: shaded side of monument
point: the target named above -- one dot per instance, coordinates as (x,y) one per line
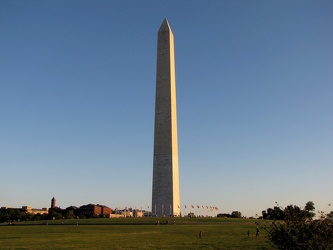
(165,193)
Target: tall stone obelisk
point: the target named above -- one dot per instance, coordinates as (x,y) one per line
(166,199)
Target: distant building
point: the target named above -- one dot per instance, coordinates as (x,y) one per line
(126,213)
(117,216)
(53,203)
(138,213)
(30,210)
(92,209)
(130,212)
(106,210)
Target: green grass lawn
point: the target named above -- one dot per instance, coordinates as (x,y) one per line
(134,233)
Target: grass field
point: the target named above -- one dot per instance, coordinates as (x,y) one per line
(133,233)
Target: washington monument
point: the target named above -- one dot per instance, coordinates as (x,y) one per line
(166,199)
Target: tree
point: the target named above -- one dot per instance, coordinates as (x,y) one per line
(38,217)
(236,214)
(223,215)
(308,209)
(293,212)
(70,215)
(191,215)
(298,232)
(4,215)
(275,213)
(12,214)
(330,215)
(53,215)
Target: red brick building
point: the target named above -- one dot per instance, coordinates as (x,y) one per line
(106,210)
(92,209)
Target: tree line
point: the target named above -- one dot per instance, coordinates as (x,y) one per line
(294,228)
(234,214)
(14,214)
(277,213)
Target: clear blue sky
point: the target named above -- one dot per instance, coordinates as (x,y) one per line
(254,96)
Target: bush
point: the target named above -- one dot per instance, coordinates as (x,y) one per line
(298,231)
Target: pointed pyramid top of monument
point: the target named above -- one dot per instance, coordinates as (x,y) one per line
(165,26)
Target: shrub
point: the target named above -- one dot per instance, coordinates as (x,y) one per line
(298,231)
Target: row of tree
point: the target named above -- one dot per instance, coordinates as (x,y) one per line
(294,228)
(234,214)
(13,214)
(277,213)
